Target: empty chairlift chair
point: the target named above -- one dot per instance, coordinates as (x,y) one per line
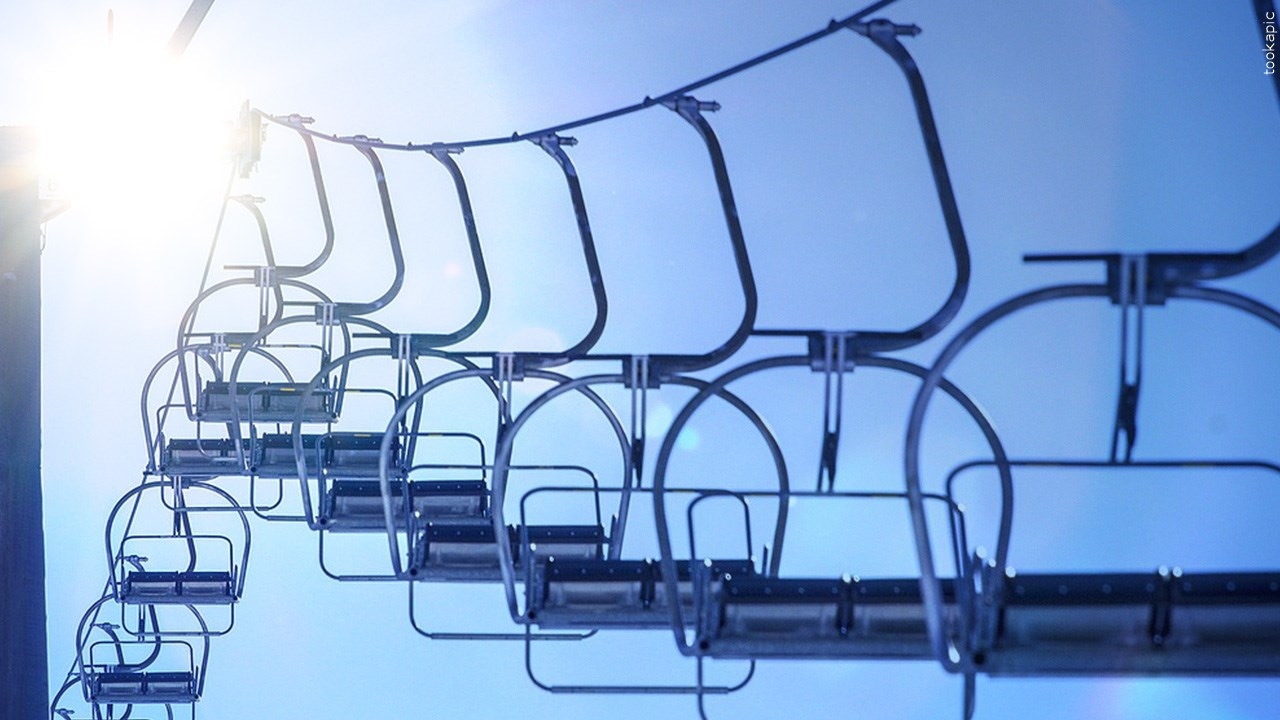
(263,402)
(758,617)
(141,673)
(617,593)
(1165,622)
(203,458)
(274,456)
(121,688)
(352,500)
(468,551)
(195,570)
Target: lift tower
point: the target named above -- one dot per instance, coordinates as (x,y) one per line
(24,691)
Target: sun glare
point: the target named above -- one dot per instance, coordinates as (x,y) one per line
(134,140)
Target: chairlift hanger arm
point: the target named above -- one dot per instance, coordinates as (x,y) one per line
(554,146)
(347,309)
(326,216)
(885,35)
(691,109)
(862,343)
(477,254)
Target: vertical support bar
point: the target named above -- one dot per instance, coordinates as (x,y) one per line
(24,690)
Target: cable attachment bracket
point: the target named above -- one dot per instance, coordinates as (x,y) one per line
(327,319)
(638,379)
(296,119)
(440,150)
(404,354)
(689,107)
(264,278)
(1131,296)
(836,360)
(882,29)
(508,368)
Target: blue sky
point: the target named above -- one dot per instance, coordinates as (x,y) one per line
(1083,127)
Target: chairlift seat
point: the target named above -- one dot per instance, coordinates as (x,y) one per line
(356,505)
(565,542)
(356,455)
(457,499)
(1137,624)
(142,587)
(754,617)
(459,552)
(275,457)
(142,687)
(197,457)
(264,402)
(595,593)
(612,593)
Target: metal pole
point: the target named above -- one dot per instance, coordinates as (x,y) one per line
(24,684)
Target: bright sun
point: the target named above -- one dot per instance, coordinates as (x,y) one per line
(137,140)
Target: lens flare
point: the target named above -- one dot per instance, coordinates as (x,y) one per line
(136,140)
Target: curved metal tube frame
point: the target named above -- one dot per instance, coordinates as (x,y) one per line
(113,557)
(417,397)
(82,644)
(935,378)
(349,309)
(502,459)
(929,583)
(477,256)
(233,427)
(326,217)
(153,448)
(698,688)
(553,146)
(885,35)
(299,453)
(188,319)
(690,109)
